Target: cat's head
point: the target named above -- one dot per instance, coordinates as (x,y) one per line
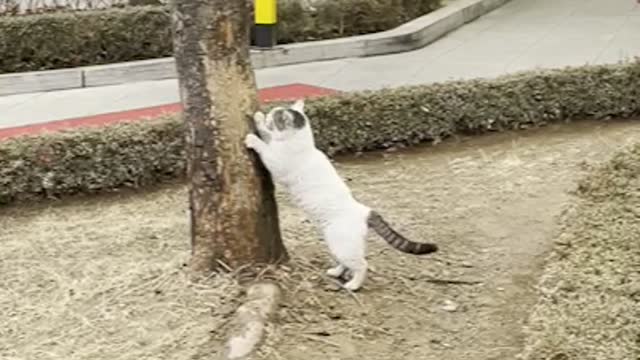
(286,120)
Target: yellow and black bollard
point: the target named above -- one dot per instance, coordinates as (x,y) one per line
(265,13)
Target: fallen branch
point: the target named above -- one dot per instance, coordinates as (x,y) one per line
(453,281)
(351,293)
(247,327)
(320,340)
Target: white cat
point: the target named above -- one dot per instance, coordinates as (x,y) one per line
(286,147)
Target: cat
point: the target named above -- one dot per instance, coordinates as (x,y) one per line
(286,146)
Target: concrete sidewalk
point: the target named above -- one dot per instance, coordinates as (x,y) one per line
(521,35)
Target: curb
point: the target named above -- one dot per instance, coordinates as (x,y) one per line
(409,36)
(266,95)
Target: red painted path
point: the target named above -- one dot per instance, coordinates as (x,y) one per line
(266,95)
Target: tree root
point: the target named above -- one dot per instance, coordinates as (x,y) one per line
(248,324)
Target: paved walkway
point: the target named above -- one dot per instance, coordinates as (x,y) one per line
(521,35)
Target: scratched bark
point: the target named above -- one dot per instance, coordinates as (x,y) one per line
(234,216)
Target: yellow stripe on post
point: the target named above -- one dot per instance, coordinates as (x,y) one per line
(265,12)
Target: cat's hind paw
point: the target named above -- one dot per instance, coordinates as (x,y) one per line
(358,278)
(352,285)
(337,271)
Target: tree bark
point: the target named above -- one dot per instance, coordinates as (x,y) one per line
(234,216)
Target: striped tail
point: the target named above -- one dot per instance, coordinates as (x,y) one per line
(399,242)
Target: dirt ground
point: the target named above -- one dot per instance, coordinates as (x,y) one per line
(103,278)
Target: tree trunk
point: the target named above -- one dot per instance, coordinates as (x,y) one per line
(234,217)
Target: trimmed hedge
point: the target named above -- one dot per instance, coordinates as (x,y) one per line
(62,40)
(589,305)
(132,155)
(71,39)
(90,160)
(341,18)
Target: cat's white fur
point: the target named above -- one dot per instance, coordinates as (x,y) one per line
(294,162)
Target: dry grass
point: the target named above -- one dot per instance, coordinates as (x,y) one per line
(85,285)
(107,279)
(589,305)
(103,277)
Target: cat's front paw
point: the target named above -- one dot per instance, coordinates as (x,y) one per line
(251,141)
(258,118)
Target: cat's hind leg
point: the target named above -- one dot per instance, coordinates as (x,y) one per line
(347,243)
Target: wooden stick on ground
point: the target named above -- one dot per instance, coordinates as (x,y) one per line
(249,322)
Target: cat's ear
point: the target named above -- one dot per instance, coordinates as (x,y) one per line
(298,105)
